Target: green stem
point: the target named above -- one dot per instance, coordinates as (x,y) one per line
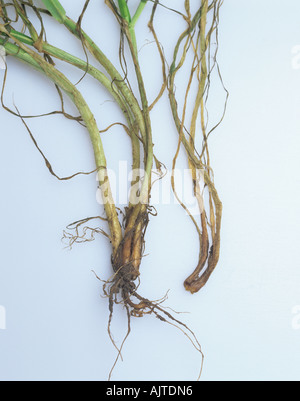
(23,53)
(112,71)
(146,186)
(100,77)
(77,62)
(27,23)
(124,10)
(132,22)
(58,12)
(56,9)
(138,13)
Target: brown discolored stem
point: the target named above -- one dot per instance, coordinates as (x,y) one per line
(210,227)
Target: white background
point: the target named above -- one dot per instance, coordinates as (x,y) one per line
(246,317)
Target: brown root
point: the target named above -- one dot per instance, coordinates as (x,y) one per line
(123,291)
(127,259)
(208,260)
(122,287)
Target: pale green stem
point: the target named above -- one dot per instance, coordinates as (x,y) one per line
(25,54)
(100,77)
(138,13)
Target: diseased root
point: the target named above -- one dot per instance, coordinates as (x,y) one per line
(122,289)
(72,234)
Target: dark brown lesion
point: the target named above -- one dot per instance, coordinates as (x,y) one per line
(209,244)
